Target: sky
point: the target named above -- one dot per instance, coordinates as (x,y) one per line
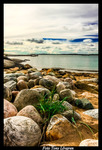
(37,25)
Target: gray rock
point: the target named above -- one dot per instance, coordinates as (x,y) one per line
(43,92)
(27,97)
(31,83)
(11,85)
(60,86)
(93,113)
(66,93)
(7,93)
(83,103)
(70,113)
(21,131)
(34,75)
(6,79)
(47,83)
(8,64)
(14,75)
(52,78)
(67,105)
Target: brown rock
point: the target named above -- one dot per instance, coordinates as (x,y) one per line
(58,128)
(24,78)
(31,112)
(89,142)
(22,85)
(9,109)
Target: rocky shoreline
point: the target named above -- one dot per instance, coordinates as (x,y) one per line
(24,124)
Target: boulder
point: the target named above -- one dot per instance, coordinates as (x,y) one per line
(60,86)
(6,79)
(34,75)
(66,93)
(93,113)
(58,127)
(83,103)
(11,85)
(85,86)
(89,142)
(8,64)
(56,97)
(21,131)
(52,78)
(31,83)
(22,85)
(27,97)
(24,78)
(30,112)
(67,105)
(47,83)
(7,93)
(71,113)
(9,109)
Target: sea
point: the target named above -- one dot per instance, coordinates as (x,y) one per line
(71,62)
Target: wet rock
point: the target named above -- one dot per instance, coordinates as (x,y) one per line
(93,113)
(11,85)
(66,93)
(21,131)
(24,78)
(9,109)
(89,142)
(58,127)
(47,83)
(70,113)
(30,112)
(83,103)
(27,97)
(21,85)
(7,93)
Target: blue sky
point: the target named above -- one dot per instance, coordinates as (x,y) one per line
(77,23)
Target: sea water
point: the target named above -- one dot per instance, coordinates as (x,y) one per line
(78,62)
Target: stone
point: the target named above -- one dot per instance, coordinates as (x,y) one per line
(9,109)
(95,80)
(93,113)
(8,64)
(34,75)
(30,112)
(11,85)
(43,92)
(32,70)
(60,86)
(58,127)
(69,80)
(21,131)
(85,86)
(52,78)
(7,93)
(24,78)
(83,103)
(67,105)
(27,66)
(47,83)
(89,142)
(66,93)
(21,85)
(36,81)
(27,97)
(6,79)
(56,97)
(31,83)
(71,113)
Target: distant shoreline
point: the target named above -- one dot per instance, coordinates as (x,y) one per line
(33,55)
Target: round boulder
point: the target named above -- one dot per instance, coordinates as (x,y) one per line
(21,85)
(21,131)
(9,109)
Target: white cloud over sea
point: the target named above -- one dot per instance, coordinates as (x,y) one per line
(78,23)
